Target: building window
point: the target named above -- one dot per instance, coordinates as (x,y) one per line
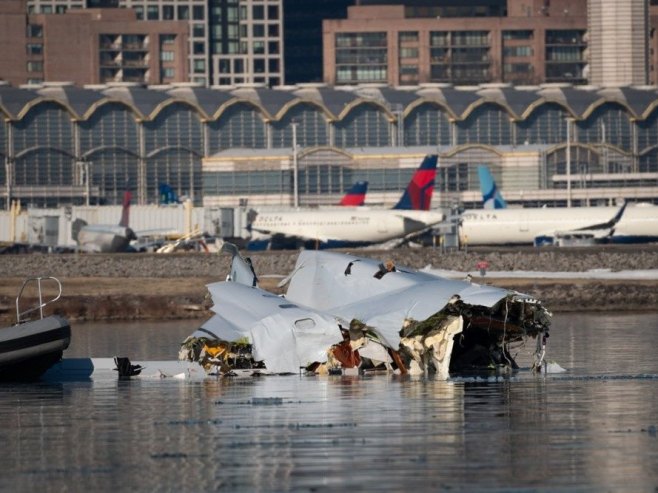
(273,47)
(34,31)
(46,9)
(60,9)
(35,66)
(167,39)
(470,38)
(198,13)
(139,12)
(183,13)
(361,57)
(564,54)
(273,12)
(408,74)
(273,65)
(259,48)
(565,37)
(409,69)
(152,13)
(168,12)
(408,52)
(198,30)
(439,38)
(408,37)
(258,30)
(168,73)
(232,14)
(517,68)
(199,66)
(273,30)
(512,35)
(258,12)
(167,56)
(238,66)
(517,51)
(34,49)
(259,66)
(198,48)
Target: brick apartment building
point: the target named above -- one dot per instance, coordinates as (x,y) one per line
(89,46)
(606,42)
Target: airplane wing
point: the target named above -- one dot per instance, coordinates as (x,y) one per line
(304,237)
(594,233)
(608,224)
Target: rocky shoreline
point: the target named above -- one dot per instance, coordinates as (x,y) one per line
(151,286)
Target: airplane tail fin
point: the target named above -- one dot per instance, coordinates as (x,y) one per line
(356,195)
(168,195)
(242,270)
(125,212)
(491,196)
(418,193)
(77,225)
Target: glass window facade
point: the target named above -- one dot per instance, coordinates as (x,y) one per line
(118,144)
(361,57)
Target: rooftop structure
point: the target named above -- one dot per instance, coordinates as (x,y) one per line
(226,146)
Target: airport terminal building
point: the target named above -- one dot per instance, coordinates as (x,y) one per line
(305,145)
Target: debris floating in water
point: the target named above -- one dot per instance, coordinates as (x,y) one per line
(348,315)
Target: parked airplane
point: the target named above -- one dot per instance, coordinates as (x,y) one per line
(344,227)
(491,196)
(635,223)
(105,238)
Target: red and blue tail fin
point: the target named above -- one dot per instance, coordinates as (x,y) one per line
(418,194)
(125,212)
(355,195)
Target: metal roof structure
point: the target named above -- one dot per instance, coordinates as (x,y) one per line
(335,102)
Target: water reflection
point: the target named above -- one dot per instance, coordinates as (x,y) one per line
(589,429)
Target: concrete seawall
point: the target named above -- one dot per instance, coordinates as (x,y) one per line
(140,286)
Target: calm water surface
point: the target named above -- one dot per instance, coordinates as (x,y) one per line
(592,428)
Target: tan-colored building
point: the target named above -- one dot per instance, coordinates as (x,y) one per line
(536,42)
(89,46)
(618,40)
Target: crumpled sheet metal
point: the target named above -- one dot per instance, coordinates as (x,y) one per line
(320,282)
(284,336)
(345,311)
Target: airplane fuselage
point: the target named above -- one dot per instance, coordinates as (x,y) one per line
(104,238)
(352,226)
(639,223)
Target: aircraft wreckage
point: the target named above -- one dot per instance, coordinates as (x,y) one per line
(343,313)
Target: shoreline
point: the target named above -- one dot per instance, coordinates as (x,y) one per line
(152,286)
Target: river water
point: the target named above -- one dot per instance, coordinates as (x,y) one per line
(591,428)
